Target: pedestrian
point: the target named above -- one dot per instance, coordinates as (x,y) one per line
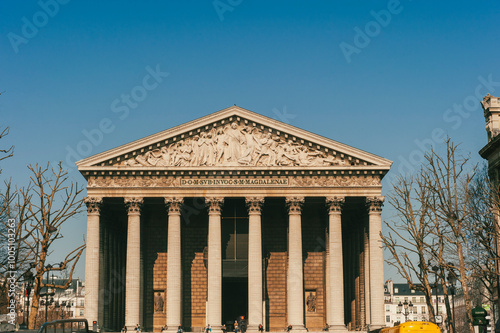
(137,328)
(261,328)
(223,328)
(235,326)
(180,330)
(124,329)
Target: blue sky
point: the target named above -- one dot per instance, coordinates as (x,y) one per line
(382,76)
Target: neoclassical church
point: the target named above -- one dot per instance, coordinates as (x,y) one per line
(234,215)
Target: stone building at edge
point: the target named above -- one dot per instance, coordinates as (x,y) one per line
(229,215)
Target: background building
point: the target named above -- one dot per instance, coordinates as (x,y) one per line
(396,293)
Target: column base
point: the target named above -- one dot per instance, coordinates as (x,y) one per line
(172,328)
(337,328)
(252,328)
(375,327)
(298,328)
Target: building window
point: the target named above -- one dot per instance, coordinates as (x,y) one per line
(440,310)
(422,300)
(422,309)
(82,302)
(387,319)
(414,299)
(81,312)
(387,308)
(412,291)
(396,290)
(406,299)
(397,299)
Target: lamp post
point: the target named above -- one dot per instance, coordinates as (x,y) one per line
(452,279)
(28,277)
(408,308)
(435,270)
(48,267)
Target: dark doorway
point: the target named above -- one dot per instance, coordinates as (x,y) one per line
(234,300)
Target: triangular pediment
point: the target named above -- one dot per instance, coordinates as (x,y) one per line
(233,138)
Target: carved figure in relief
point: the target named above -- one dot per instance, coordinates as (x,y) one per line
(234,145)
(233,142)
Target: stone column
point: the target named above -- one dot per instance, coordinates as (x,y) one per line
(374,206)
(92,259)
(174,268)
(254,263)
(336,269)
(295,283)
(133,266)
(367,277)
(214,283)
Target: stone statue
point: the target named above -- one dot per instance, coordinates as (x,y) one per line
(158,303)
(311,302)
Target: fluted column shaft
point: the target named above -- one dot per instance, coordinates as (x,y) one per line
(254,263)
(374,206)
(336,269)
(174,268)
(92,259)
(133,266)
(214,301)
(295,284)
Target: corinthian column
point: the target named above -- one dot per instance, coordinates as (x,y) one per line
(254,263)
(374,206)
(295,285)
(174,269)
(92,259)
(336,267)
(214,301)
(133,269)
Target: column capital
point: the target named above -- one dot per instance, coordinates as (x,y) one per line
(254,205)
(214,205)
(374,204)
(134,205)
(335,204)
(294,204)
(93,205)
(174,205)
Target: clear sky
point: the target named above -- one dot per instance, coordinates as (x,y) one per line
(387,77)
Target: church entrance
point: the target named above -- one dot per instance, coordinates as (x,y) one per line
(234,300)
(234,261)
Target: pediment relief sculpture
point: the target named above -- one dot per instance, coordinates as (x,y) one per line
(236,145)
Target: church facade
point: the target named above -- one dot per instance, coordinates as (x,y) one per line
(234,215)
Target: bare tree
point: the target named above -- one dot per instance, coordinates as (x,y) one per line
(43,207)
(48,213)
(5,152)
(433,210)
(448,178)
(409,236)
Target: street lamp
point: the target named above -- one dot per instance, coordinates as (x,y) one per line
(408,308)
(28,277)
(48,267)
(435,270)
(452,279)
